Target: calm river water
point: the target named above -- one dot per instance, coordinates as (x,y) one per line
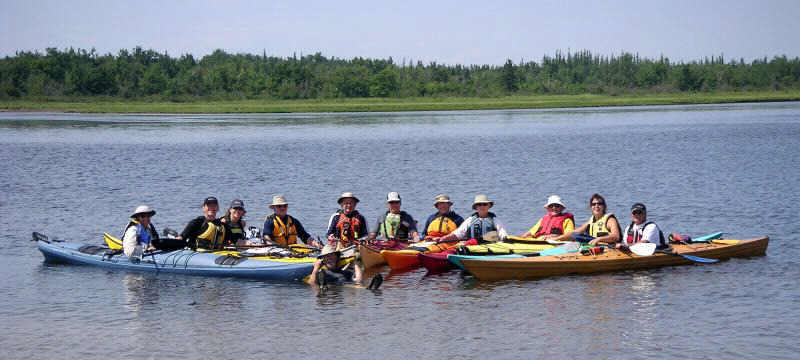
(699,169)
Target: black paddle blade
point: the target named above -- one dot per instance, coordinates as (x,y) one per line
(376,282)
(40,237)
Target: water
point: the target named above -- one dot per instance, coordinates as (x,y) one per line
(698,169)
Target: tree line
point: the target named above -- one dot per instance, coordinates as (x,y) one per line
(139,73)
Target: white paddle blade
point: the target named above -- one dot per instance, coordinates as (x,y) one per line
(643,249)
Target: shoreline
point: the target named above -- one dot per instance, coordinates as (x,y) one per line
(111,105)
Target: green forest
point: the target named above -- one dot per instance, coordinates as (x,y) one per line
(148,74)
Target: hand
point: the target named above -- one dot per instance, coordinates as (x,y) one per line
(593,242)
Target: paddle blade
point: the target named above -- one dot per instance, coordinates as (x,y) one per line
(563,249)
(112,242)
(699,259)
(643,249)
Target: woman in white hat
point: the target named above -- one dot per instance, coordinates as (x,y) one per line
(553,224)
(396,224)
(140,233)
(479,224)
(282,229)
(443,221)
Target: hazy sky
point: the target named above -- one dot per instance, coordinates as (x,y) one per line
(452,32)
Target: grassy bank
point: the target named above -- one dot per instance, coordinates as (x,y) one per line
(106,105)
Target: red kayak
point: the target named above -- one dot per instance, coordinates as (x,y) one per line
(436,262)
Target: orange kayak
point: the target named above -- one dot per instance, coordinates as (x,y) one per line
(494,268)
(371,253)
(408,258)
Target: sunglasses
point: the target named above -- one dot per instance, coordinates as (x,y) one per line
(637,212)
(482,204)
(280,206)
(598,204)
(554,206)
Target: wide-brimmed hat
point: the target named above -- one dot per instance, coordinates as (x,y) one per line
(441,198)
(278,200)
(237,204)
(482,199)
(143,209)
(346,195)
(554,199)
(392,196)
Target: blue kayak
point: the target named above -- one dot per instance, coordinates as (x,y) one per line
(189,262)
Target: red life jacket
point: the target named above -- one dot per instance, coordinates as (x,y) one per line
(553,224)
(347,227)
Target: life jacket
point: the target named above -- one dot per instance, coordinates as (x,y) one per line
(633,237)
(598,227)
(480,226)
(553,224)
(347,228)
(213,237)
(236,229)
(440,226)
(283,234)
(143,236)
(392,226)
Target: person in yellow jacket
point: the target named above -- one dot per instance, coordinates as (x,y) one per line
(282,229)
(553,224)
(602,226)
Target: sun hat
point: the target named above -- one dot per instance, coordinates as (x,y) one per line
(482,199)
(441,198)
(346,195)
(237,204)
(278,200)
(143,209)
(638,206)
(392,196)
(554,199)
(210,200)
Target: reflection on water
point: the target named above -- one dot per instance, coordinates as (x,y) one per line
(698,169)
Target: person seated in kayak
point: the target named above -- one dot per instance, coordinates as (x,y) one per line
(478,224)
(205,232)
(443,221)
(553,224)
(345,228)
(641,230)
(396,224)
(140,232)
(235,229)
(282,229)
(602,227)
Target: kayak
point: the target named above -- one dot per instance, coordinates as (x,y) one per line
(371,253)
(408,258)
(436,262)
(455,259)
(611,260)
(188,262)
(502,248)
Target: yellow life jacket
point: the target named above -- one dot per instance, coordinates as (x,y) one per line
(213,238)
(598,227)
(283,234)
(441,226)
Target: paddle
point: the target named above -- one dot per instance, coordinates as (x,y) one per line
(560,250)
(689,257)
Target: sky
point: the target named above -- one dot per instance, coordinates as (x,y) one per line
(448,32)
